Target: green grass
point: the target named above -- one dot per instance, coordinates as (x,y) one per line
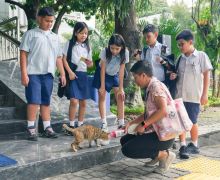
(213,101)
(128,110)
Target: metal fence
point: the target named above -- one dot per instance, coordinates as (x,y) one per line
(9,41)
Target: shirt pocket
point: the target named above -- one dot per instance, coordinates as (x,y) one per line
(36,40)
(196,68)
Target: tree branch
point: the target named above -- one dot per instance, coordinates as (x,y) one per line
(59,2)
(200,29)
(58,19)
(15,3)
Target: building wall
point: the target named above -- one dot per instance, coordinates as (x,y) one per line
(6,12)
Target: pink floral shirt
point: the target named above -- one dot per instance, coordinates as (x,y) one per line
(154,89)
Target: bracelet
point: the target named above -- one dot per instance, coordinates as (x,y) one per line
(144,124)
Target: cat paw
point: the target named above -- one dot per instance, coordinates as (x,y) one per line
(75,150)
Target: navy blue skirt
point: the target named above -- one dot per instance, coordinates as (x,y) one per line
(79,88)
(110,81)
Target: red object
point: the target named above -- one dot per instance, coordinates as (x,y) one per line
(117,133)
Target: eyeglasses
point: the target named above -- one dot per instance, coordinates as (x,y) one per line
(179,45)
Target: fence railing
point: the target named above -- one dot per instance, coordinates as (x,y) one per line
(9,41)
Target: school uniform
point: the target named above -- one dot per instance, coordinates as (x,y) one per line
(190,81)
(43,48)
(79,88)
(111,71)
(150,56)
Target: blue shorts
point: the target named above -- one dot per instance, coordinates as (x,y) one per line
(39,89)
(193,110)
(79,87)
(110,81)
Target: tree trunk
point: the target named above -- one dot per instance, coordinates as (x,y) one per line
(218,87)
(59,20)
(213,82)
(31,13)
(128,29)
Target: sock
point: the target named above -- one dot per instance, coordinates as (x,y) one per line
(72,123)
(46,124)
(183,143)
(31,123)
(104,121)
(121,122)
(195,143)
(80,123)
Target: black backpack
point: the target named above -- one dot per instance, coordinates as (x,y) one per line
(64,91)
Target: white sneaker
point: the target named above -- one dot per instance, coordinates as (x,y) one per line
(164,164)
(104,127)
(151,163)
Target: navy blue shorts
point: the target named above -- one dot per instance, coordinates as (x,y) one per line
(39,89)
(193,110)
(110,81)
(79,87)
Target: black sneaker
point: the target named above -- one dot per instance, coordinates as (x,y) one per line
(121,126)
(31,133)
(183,153)
(68,133)
(191,148)
(49,133)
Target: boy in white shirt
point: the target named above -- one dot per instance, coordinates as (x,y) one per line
(39,55)
(193,76)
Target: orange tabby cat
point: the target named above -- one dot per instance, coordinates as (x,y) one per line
(89,132)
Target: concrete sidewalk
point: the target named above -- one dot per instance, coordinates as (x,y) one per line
(205,166)
(201,167)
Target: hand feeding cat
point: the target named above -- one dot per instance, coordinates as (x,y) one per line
(88,132)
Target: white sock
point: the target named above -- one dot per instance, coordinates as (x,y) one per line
(72,123)
(121,122)
(31,123)
(195,143)
(104,121)
(46,124)
(183,143)
(80,123)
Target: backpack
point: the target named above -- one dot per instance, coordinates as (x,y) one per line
(64,91)
(172,83)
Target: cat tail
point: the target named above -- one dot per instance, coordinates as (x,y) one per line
(68,128)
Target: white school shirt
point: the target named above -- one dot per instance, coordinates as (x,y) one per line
(113,67)
(190,76)
(79,50)
(43,49)
(151,54)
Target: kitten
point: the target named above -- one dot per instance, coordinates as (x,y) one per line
(88,132)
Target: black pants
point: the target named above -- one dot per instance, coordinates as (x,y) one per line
(143,146)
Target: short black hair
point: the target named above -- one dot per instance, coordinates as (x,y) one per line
(46,11)
(185,35)
(150,28)
(142,67)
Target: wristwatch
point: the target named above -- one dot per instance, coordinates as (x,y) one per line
(144,124)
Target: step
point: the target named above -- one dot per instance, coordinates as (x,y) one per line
(50,157)
(57,124)
(13,136)
(7,112)
(12,126)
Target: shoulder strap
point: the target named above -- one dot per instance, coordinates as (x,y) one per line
(145,51)
(69,52)
(178,63)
